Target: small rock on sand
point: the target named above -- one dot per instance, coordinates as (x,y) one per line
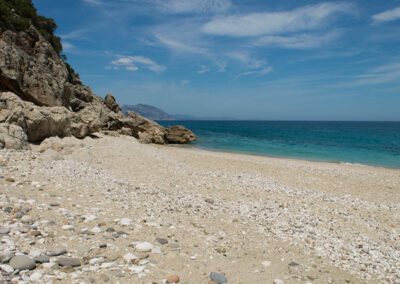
(68,261)
(172,278)
(22,262)
(218,277)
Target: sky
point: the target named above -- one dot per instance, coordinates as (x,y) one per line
(262,60)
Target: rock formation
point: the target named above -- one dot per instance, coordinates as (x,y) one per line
(40,97)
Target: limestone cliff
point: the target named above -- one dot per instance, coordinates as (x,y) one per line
(40,97)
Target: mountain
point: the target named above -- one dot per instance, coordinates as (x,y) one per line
(148,111)
(42,96)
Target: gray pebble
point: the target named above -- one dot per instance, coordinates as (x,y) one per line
(68,261)
(22,262)
(4,231)
(57,252)
(5,258)
(162,241)
(218,277)
(41,259)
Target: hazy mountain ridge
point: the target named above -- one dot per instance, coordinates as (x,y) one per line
(148,111)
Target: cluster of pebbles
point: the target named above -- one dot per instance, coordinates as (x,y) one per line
(149,214)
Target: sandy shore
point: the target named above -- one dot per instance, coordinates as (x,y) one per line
(254,219)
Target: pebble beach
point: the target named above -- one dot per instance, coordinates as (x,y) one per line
(112,210)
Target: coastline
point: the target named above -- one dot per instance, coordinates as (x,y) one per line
(254,218)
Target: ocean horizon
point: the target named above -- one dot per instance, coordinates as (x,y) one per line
(370,143)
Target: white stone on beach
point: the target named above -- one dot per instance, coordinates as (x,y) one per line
(67,227)
(36,276)
(125,221)
(96,230)
(266,263)
(130,258)
(144,247)
(7,268)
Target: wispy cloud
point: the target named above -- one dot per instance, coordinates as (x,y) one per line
(299,41)
(93,2)
(387,16)
(178,45)
(257,66)
(380,75)
(203,69)
(194,6)
(131,63)
(312,17)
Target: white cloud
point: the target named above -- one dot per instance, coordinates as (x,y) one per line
(194,6)
(93,2)
(179,46)
(387,16)
(203,69)
(305,18)
(380,75)
(130,63)
(248,60)
(67,46)
(298,41)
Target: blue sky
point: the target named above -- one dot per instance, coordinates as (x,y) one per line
(278,60)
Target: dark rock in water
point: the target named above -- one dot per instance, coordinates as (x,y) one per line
(41,259)
(218,277)
(179,135)
(22,262)
(68,261)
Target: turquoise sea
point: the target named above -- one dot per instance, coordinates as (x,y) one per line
(368,143)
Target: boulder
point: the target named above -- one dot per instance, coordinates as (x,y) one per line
(112,104)
(30,68)
(13,137)
(179,135)
(147,131)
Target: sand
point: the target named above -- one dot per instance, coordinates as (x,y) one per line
(255,219)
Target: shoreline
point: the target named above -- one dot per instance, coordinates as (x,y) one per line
(190,146)
(255,219)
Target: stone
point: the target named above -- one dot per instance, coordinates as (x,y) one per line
(220,250)
(111,103)
(266,263)
(10,179)
(57,252)
(174,278)
(5,258)
(26,219)
(13,137)
(125,221)
(130,258)
(144,247)
(7,268)
(179,135)
(68,227)
(4,231)
(36,276)
(218,277)
(68,261)
(278,281)
(22,262)
(41,259)
(162,241)
(209,200)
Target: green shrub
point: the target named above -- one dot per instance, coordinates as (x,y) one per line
(26,14)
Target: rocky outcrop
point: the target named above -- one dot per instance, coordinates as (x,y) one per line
(179,135)
(40,97)
(30,68)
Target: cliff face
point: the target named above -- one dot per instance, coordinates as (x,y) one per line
(40,97)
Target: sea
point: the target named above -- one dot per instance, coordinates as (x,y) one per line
(365,143)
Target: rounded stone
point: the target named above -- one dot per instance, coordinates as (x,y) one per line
(144,247)
(22,262)
(68,261)
(172,278)
(218,277)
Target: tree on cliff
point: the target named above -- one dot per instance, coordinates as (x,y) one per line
(18,15)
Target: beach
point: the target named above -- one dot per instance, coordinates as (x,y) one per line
(139,213)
